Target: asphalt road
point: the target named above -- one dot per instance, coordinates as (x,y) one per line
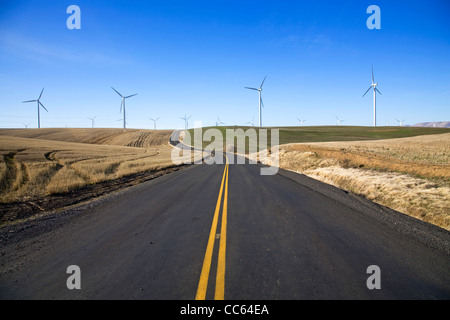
(270,238)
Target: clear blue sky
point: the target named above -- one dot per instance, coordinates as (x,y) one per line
(196,57)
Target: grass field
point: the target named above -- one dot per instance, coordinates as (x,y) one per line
(328,133)
(47,161)
(129,138)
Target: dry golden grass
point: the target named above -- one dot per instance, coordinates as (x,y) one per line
(410,175)
(424,156)
(130,138)
(34,167)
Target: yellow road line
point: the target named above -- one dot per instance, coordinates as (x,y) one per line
(220,276)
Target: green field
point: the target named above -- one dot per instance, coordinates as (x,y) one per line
(333,133)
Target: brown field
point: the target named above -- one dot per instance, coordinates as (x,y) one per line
(42,162)
(410,175)
(423,156)
(129,138)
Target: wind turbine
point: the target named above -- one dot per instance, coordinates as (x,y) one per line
(93,122)
(123,105)
(301,121)
(26,125)
(251,122)
(154,122)
(375,90)
(39,103)
(186,121)
(339,121)
(260,99)
(218,122)
(400,122)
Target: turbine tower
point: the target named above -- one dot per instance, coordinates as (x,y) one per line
(154,122)
(123,105)
(39,104)
(375,90)
(260,99)
(186,121)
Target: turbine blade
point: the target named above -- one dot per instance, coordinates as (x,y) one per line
(251,88)
(29,101)
(367,91)
(117,92)
(131,96)
(41,93)
(378,90)
(43,106)
(262,83)
(121,104)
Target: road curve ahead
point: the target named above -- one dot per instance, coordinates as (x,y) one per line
(226,232)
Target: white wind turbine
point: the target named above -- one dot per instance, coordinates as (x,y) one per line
(39,104)
(92,120)
(400,122)
(260,99)
(218,122)
(339,121)
(154,122)
(122,105)
(186,121)
(301,121)
(375,90)
(251,122)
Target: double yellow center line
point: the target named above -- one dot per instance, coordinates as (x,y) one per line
(220,276)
